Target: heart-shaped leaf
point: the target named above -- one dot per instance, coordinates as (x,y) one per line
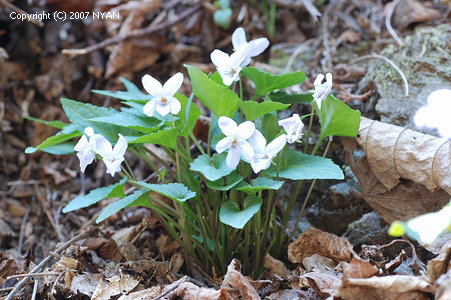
(231,214)
(213,172)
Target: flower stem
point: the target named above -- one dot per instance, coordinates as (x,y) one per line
(310,124)
(177,162)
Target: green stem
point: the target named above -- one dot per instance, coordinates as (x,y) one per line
(209,136)
(310,124)
(130,170)
(177,162)
(196,142)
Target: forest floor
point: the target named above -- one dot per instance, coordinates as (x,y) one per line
(47,254)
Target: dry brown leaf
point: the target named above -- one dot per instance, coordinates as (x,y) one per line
(395,152)
(275,266)
(358,268)
(315,241)
(318,263)
(8,267)
(404,201)
(115,285)
(325,283)
(85,284)
(166,245)
(441,264)
(236,284)
(413,11)
(143,295)
(443,287)
(190,291)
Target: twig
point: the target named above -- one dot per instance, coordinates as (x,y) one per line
(21,11)
(131,34)
(47,213)
(46,260)
(22,230)
(35,290)
(390,29)
(373,55)
(312,10)
(32,275)
(325,37)
(295,53)
(172,287)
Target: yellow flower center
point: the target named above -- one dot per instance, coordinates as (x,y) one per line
(235,142)
(233,72)
(164,100)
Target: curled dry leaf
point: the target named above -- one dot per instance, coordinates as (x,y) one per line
(8,267)
(358,268)
(407,199)
(395,152)
(325,283)
(318,263)
(85,284)
(236,284)
(443,286)
(116,285)
(413,11)
(188,291)
(275,266)
(315,241)
(441,264)
(143,295)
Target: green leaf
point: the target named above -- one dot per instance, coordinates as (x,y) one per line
(269,126)
(217,98)
(261,183)
(80,114)
(167,138)
(265,82)
(174,191)
(252,109)
(210,242)
(338,119)
(60,149)
(57,139)
(132,93)
(231,180)
(56,124)
(213,172)
(223,17)
(113,191)
(189,113)
(124,119)
(116,206)
(283,97)
(299,166)
(231,214)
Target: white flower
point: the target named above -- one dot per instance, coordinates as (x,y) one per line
(264,154)
(253,48)
(228,66)
(164,101)
(112,157)
(436,114)
(86,149)
(293,127)
(322,90)
(235,140)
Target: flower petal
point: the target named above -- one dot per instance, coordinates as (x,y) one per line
(227,77)
(86,158)
(173,84)
(276,145)
(120,147)
(238,38)
(257,46)
(237,58)
(162,109)
(246,62)
(318,81)
(224,144)
(152,86)
(260,163)
(245,130)
(113,166)
(258,142)
(246,150)
(103,146)
(82,144)
(219,58)
(227,125)
(149,107)
(233,157)
(89,131)
(174,104)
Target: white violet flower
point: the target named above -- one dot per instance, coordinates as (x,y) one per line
(253,48)
(293,127)
(86,149)
(229,67)
(436,114)
(264,154)
(164,101)
(322,90)
(235,140)
(112,157)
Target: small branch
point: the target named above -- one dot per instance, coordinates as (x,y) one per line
(20,11)
(46,260)
(307,4)
(172,287)
(403,77)
(22,230)
(32,275)
(390,29)
(132,34)
(325,37)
